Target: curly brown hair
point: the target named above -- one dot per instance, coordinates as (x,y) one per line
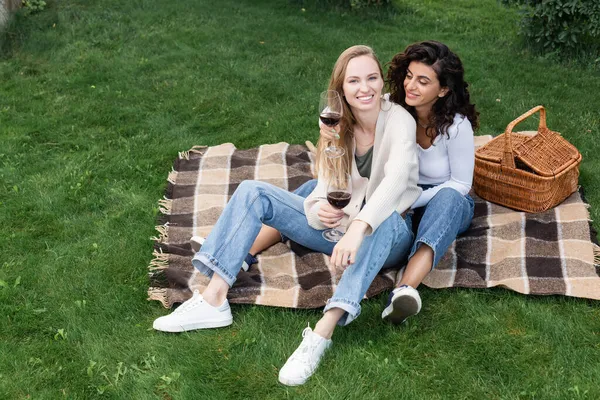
(450,73)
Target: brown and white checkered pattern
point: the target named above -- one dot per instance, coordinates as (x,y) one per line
(554,252)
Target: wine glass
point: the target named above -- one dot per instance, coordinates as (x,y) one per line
(330,114)
(339,193)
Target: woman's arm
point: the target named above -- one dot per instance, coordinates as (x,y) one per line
(461,157)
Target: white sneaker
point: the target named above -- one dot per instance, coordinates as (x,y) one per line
(305,360)
(198,241)
(195,313)
(403,302)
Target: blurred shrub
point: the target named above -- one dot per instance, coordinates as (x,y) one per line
(33,6)
(561,26)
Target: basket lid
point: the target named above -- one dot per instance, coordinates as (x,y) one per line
(547,153)
(493,150)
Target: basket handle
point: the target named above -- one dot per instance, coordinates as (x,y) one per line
(508,160)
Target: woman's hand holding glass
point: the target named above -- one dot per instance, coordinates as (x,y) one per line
(339,194)
(329,215)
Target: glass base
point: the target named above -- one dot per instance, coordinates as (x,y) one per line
(334,151)
(332,235)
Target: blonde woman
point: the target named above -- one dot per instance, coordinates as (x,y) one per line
(384,187)
(427,79)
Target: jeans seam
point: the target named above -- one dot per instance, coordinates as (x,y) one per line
(371,265)
(374,262)
(447,226)
(471,210)
(234,231)
(442,234)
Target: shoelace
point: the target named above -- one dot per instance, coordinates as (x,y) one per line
(306,350)
(190,303)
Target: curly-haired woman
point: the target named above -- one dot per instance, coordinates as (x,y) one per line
(427,79)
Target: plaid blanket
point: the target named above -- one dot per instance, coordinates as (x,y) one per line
(555,252)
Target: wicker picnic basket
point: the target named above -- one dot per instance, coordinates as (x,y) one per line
(527,172)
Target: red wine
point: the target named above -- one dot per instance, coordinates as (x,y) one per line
(330,118)
(338,199)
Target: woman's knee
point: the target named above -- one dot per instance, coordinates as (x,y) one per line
(251,186)
(452,200)
(306,188)
(389,225)
(394,227)
(448,196)
(247,191)
(246,185)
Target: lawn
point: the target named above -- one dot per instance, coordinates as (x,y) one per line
(96,100)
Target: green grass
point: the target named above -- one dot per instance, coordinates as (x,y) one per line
(97,98)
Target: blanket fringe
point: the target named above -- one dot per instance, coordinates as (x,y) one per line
(172,176)
(163,234)
(158,294)
(596,256)
(185,155)
(165,206)
(159,262)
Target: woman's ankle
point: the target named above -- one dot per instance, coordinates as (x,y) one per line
(328,322)
(214,299)
(324,332)
(216,291)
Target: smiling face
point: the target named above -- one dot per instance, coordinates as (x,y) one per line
(422,86)
(363,84)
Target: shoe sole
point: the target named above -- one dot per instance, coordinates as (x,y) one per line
(400,309)
(193,327)
(289,382)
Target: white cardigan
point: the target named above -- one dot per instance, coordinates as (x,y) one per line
(394,174)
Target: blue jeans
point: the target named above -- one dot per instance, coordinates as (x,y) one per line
(255,203)
(437,224)
(447,215)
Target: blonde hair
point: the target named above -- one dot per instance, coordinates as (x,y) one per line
(341,166)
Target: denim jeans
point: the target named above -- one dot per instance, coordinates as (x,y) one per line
(255,203)
(437,224)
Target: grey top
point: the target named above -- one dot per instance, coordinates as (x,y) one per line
(363,163)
